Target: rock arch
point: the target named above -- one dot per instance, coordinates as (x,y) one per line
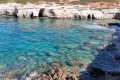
(41,12)
(90,16)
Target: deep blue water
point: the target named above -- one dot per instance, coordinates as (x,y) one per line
(37,42)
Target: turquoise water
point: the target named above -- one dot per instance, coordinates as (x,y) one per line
(27,43)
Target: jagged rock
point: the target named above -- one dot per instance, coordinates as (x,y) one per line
(52,54)
(73,77)
(51,72)
(31,54)
(59,72)
(55,77)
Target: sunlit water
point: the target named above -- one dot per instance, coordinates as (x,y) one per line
(27,43)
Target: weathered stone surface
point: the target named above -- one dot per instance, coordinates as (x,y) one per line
(33,10)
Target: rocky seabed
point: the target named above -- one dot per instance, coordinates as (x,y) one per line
(53,11)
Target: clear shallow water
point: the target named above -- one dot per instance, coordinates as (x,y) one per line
(27,43)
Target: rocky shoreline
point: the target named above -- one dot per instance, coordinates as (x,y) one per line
(106,66)
(57,11)
(108,54)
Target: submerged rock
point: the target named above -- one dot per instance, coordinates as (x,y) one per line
(22,58)
(86,48)
(52,54)
(74,63)
(31,54)
(72,46)
(90,43)
(56,64)
(33,74)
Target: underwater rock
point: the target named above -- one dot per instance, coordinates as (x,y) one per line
(30,54)
(100,47)
(90,43)
(33,74)
(52,54)
(72,46)
(21,58)
(86,48)
(56,64)
(84,65)
(74,63)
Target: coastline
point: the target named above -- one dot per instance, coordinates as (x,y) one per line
(59,72)
(53,10)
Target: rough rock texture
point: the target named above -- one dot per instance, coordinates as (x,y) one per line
(106,66)
(54,11)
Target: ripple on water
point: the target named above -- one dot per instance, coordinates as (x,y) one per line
(41,43)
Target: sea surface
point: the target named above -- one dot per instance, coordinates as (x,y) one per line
(28,43)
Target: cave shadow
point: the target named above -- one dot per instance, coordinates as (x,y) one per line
(91,16)
(106,65)
(41,12)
